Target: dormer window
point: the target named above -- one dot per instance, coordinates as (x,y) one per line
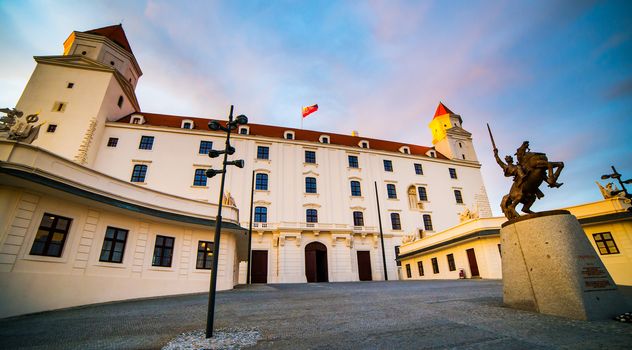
(187,124)
(288,135)
(405,149)
(431,154)
(364,144)
(323,139)
(244,130)
(137,119)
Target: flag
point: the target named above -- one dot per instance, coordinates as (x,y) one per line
(309,110)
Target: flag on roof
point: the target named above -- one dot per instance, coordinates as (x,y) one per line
(309,110)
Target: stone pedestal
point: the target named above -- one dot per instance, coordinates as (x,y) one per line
(549,266)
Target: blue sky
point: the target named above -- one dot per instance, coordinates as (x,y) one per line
(558,74)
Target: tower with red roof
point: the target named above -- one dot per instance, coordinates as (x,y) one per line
(76,93)
(448,136)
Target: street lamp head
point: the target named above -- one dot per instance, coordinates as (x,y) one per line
(213,172)
(628,181)
(214,125)
(603,177)
(230,150)
(213,153)
(239,163)
(242,119)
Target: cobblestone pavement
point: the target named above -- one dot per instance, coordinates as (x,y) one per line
(465,314)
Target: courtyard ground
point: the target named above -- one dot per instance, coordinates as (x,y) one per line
(464,314)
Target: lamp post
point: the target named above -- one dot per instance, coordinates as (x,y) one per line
(228,149)
(615,175)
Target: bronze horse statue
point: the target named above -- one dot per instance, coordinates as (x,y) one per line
(531,170)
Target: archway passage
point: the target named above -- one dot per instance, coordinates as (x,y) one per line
(316,262)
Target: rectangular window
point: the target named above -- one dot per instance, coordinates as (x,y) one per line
(113,245)
(452,173)
(358,218)
(70,85)
(119,103)
(59,107)
(325,140)
(243,131)
(458,196)
(261,214)
(51,235)
(289,136)
(311,215)
(395,222)
(451,264)
(399,263)
(390,190)
(112,141)
(139,173)
(163,251)
(423,196)
(435,265)
(205,147)
(263,152)
(418,169)
(51,128)
(605,243)
(409,273)
(499,251)
(199,179)
(146,142)
(310,185)
(388,165)
(427,222)
(261,182)
(353,162)
(356,191)
(204,255)
(420,267)
(310,157)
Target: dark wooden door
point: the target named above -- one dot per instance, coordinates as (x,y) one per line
(316,262)
(364,266)
(259,267)
(471,258)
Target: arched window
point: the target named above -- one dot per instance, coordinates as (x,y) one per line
(458,196)
(139,173)
(427,222)
(395,222)
(310,185)
(261,214)
(311,215)
(355,188)
(261,182)
(412,197)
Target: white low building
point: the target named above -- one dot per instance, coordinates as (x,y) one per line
(315,201)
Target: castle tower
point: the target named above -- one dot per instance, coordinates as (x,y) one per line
(449,137)
(76,93)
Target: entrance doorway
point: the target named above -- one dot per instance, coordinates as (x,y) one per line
(316,262)
(259,267)
(471,258)
(364,266)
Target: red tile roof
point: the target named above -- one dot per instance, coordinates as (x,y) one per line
(441,110)
(278,132)
(114,33)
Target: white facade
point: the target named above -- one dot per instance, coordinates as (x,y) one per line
(88,95)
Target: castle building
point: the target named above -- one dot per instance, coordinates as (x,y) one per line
(110,202)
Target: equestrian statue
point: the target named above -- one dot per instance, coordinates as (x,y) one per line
(531,169)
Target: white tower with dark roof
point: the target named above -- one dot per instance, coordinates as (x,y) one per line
(76,93)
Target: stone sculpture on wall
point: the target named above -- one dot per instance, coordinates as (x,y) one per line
(611,191)
(14,127)
(468,214)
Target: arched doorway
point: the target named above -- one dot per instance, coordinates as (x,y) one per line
(316,262)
